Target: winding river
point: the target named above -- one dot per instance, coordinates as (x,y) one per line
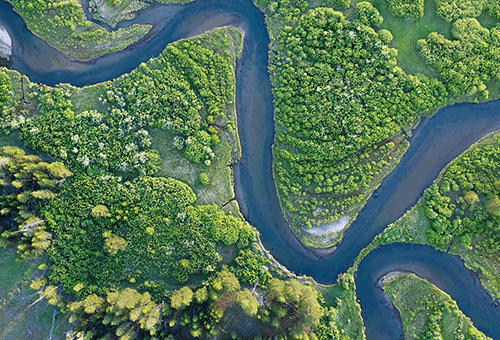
(434,143)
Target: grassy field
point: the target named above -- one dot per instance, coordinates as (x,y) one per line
(407,32)
(176,165)
(427,312)
(19,320)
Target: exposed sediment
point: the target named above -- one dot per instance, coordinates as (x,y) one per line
(5,43)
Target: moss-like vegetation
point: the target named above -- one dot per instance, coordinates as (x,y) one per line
(63,25)
(427,312)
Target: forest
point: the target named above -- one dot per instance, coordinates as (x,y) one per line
(131,255)
(343,104)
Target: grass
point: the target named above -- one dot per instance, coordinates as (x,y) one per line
(19,321)
(176,165)
(407,32)
(66,28)
(418,302)
(343,297)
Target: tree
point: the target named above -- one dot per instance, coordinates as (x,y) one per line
(248,302)
(493,205)
(181,298)
(100,211)
(471,197)
(114,243)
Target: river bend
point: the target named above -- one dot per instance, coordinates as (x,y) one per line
(435,142)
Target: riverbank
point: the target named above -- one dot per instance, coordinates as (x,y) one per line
(5,43)
(427,311)
(67,29)
(416,226)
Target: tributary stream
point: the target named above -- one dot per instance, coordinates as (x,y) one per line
(435,142)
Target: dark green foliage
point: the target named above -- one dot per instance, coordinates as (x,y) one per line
(150,232)
(252,267)
(413,9)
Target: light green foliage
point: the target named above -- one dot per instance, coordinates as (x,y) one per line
(296,302)
(113,243)
(451,10)
(181,298)
(203,179)
(248,302)
(493,205)
(63,25)
(121,312)
(385,36)
(469,61)
(100,211)
(413,9)
(429,313)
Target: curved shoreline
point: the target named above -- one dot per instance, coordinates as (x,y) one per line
(254,184)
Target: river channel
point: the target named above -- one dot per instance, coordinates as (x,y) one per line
(434,143)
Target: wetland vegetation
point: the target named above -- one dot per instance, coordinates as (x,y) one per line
(133,252)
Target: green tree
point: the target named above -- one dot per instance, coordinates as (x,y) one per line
(181,298)
(248,302)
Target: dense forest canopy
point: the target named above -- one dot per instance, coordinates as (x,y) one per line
(136,256)
(343,103)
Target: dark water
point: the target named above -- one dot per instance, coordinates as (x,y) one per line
(435,143)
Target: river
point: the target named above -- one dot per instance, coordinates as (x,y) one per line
(434,143)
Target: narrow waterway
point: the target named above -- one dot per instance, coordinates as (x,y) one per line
(434,144)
